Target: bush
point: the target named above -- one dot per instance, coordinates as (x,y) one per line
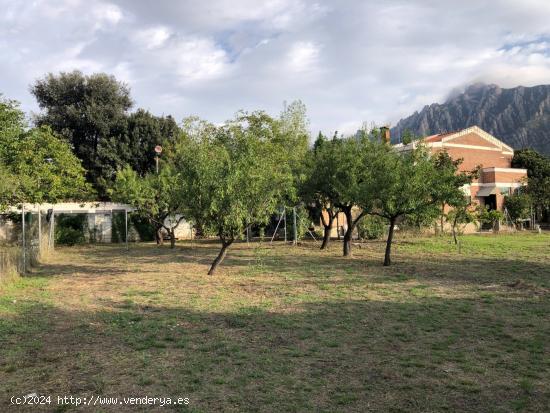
(489,216)
(303,222)
(144,228)
(371,227)
(518,206)
(69,229)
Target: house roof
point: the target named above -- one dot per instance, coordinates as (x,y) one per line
(441,138)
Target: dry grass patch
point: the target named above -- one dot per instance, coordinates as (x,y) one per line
(284,328)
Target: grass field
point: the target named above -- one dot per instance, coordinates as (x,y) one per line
(286,328)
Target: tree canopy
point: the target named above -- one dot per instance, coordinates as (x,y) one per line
(538,181)
(234,175)
(36,165)
(410,183)
(88,111)
(156,197)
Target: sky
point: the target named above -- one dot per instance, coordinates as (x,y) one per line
(350,62)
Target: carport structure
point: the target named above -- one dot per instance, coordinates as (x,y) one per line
(95,209)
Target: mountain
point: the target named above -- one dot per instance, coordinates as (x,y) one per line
(519,116)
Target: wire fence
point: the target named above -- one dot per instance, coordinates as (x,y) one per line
(24,237)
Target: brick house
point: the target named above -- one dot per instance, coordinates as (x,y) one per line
(477,148)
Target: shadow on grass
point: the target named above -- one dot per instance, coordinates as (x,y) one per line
(308,262)
(433,355)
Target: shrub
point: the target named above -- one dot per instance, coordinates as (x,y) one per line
(303,222)
(69,229)
(371,227)
(518,206)
(489,216)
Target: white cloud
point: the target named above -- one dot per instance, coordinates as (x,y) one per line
(349,62)
(193,59)
(303,56)
(108,13)
(153,37)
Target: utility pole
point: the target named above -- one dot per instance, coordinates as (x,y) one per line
(158,151)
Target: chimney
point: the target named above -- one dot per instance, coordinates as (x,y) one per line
(385,134)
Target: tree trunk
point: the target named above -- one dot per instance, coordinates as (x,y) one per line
(442,217)
(454,231)
(327,228)
(220,257)
(349,231)
(158,236)
(172,238)
(387,256)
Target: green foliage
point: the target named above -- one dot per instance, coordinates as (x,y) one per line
(489,216)
(155,196)
(69,229)
(118,227)
(413,184)
(449,181)
(538,172)
(234,175)
(36,166)
(292,139)
(518,206)
(404,183)
(134,144)
(461,215)
(143,226)
(340,172)
(303,221)
(407,137)
(371,227)
(87,111)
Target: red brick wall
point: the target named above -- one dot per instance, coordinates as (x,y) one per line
(474,157)
(499,176)
(472,139)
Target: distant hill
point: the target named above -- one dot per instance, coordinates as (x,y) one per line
(520,116)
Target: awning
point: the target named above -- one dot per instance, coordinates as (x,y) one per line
(487,190)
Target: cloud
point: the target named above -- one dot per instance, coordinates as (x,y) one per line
(303,56)
(350,62)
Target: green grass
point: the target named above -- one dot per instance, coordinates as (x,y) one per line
(287,328)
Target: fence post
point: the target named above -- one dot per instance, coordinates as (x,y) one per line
(39,231)
(23,236)
(125,225)
(295,241)
(52,229)
(284,214)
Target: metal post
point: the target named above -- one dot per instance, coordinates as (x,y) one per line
(24,242)
(52,229)
(284,214)
(276,228)
(295,241)
(125,226)
(337,226)
(39,231)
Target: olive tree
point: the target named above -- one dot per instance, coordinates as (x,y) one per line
(233,176)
